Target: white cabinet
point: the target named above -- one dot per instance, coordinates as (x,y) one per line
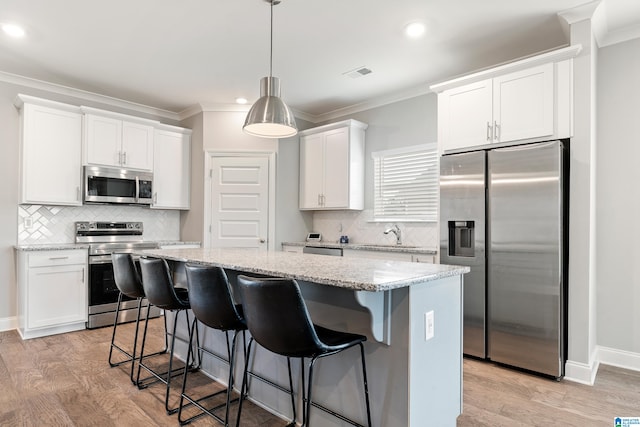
(516,106)
(171,168)
(117,142)
(332,166)
(381,255)
(292,248)
(388,255)
(525,101)
(52,292)
(51,143)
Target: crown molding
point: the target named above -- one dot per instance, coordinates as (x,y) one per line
(554,55)
(579,13)
(85,95)
(619,36)
(370,104)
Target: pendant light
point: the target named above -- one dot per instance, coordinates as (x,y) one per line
(270,117)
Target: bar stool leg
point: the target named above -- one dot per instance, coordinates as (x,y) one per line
(243,388)
(113,338)
(293,399)
(366,387)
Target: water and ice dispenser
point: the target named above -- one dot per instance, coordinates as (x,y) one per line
(462,238)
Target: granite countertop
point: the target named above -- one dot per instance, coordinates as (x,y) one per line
(51,247)
(350,273)
(367,247)
(175,242)
(66,246)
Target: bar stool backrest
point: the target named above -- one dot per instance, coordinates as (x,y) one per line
(126,275)
(210,298)
(277,316)
(158,284)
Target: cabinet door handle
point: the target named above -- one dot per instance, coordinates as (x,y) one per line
(78,193)
(155,198)
(489,132)
(124,157)
(119,157)
(82,274)
(58,257)
(497,131)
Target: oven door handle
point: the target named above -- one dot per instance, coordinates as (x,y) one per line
(106,259)
(100,259)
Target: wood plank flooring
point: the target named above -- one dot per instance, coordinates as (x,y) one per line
(65,380)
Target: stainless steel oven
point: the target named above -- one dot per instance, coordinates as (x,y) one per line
(105,238)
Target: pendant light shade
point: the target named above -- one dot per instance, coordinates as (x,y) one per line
(270,117)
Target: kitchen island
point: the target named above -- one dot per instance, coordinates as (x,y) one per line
(414,380)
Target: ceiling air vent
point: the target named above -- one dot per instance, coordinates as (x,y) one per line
(358,72)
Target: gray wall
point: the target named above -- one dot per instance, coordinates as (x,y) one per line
(9,134)
(618,197)
(401,124)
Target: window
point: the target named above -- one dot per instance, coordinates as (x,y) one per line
(406,184)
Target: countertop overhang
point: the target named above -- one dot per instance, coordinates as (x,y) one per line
(350,273)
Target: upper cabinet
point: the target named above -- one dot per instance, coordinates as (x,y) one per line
(529,100)
(51,168)
(171,168)
(54,146)
(110,140)
(332,166)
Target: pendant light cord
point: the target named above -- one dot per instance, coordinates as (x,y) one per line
(271,44)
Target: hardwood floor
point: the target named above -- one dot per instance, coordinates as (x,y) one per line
(65,380)
(495,396)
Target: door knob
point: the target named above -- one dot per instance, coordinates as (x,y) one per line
(262,240)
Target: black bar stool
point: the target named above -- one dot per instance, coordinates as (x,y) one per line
(212,304)
(159,289)
(129,284)
(278,320)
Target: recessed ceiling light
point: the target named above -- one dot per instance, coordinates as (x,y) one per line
(241,100)
(13,30)
(415,30)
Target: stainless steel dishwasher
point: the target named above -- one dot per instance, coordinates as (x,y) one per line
(322,251)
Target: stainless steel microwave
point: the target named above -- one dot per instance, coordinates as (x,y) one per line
(114,185)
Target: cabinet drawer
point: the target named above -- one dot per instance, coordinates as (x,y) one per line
(50,258)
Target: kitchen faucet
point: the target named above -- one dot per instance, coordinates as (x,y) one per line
(395,230)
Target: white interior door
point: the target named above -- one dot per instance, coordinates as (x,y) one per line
(240,202)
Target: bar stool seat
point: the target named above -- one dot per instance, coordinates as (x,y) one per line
(161,292)
(212,304)
(278,320)
(129,284)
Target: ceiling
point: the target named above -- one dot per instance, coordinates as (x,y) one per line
(177,55)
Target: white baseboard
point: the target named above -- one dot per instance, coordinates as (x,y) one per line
(8,324)
(583,373)
(620,358)
(586,373)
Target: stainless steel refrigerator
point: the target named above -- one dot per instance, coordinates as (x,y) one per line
(503,212)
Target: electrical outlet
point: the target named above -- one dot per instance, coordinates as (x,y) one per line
(28,222)
(428,325)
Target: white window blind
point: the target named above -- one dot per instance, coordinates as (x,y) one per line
(406,184)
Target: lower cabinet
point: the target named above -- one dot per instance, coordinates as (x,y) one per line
(292,248)
(388,255)
(52,292)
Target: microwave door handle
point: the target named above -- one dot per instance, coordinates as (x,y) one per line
(137,189)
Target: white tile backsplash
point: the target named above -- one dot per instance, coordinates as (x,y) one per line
(359,227)
(56,224)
